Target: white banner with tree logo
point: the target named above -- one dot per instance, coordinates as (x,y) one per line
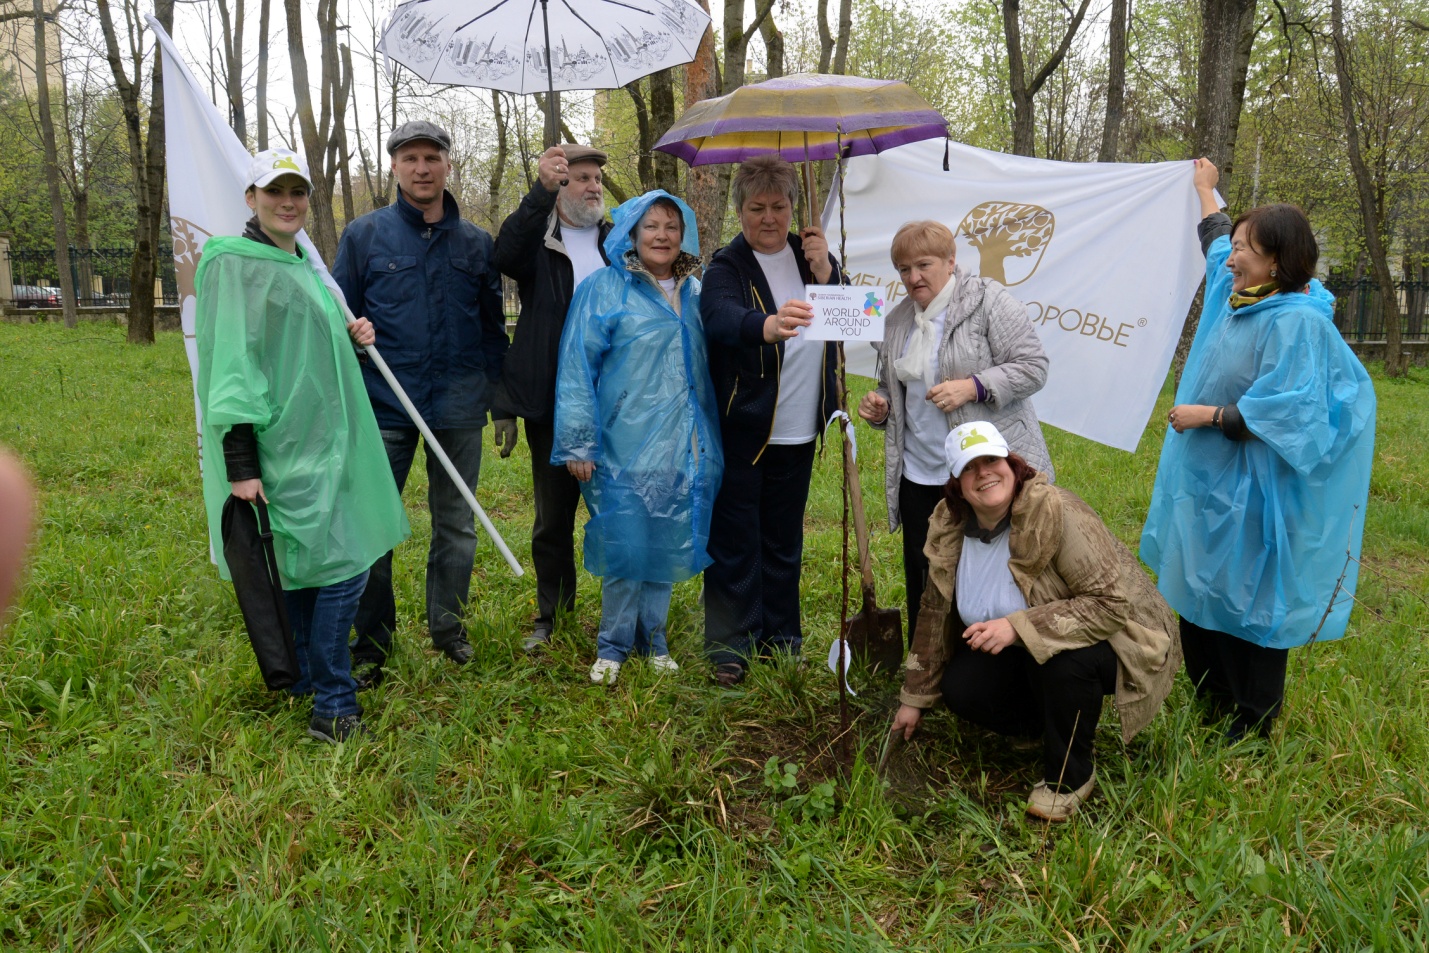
(207,176)
(1104,255)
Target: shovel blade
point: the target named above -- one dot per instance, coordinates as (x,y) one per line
(875,639)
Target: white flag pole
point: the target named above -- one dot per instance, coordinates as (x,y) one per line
(227,150)
(435,448)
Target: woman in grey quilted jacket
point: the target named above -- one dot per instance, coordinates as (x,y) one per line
(958,348)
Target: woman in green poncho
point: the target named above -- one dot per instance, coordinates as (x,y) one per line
(286,419)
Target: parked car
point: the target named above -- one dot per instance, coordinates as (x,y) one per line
(33,296)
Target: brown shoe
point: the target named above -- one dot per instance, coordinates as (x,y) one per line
(1054,805)
(728,674)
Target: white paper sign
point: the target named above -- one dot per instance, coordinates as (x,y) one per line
(846,312)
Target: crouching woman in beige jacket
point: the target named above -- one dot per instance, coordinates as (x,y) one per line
(1033,612)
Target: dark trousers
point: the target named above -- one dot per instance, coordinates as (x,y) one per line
(1059,701)
(557,495)
(449,558)
(1235,679)
(916,503)
(757,544)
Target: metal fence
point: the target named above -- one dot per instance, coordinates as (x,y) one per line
(1359,308)
(100,275)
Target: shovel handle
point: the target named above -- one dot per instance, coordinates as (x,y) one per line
(855,493)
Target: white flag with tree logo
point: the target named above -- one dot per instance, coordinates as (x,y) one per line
(1104,255)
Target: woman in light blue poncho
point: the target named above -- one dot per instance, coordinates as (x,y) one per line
(635,422)
(1259,503)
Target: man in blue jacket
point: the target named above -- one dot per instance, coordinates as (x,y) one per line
(427,281)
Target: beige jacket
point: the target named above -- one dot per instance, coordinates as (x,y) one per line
(1081,585)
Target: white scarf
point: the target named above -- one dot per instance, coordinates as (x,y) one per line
(915,363)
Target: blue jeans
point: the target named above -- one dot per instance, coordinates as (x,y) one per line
(321,619)
(632,618)
(450,557)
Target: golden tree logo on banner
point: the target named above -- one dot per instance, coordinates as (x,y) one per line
(1010,238)
(188,248)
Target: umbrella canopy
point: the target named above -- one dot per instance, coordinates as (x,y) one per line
(802,117)
(530,46)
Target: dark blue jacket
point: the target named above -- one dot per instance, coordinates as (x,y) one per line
(433,295)
(734,303)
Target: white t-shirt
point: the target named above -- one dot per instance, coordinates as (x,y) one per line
(667,283)
(582,247)
(986,589)
(797,410)
(925,427)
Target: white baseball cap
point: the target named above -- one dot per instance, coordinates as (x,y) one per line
(971,440)
(271,164)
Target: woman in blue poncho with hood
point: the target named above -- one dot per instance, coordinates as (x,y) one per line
(636,424)
(1264,475)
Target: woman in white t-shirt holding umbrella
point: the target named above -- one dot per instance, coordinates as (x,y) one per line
(775,389)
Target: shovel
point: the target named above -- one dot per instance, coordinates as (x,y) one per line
(874,636)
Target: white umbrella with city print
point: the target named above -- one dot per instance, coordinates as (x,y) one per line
(533,46)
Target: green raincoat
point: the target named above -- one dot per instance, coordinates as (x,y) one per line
(274,352)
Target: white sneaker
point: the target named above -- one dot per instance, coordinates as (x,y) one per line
(663,663)
(605,671)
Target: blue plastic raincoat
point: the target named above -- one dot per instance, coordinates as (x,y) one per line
(633,394)
(1250,537)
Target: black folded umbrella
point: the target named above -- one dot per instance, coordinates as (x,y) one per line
(248,550)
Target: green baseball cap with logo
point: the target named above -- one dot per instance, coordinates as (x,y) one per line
(271,164)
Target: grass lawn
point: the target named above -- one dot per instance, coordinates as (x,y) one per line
(153,796)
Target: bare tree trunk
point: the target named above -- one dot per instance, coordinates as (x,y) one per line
(1220,79)
(1370,204)
(662,117)
(1115,81)
(314,129)
(52,170)
(233,65)
(498,168)
(1023,90)
(261,104)
(703,189)
(644,164)
(1228,29)
(338,151)
(826,37)
(840,63)
(773,47)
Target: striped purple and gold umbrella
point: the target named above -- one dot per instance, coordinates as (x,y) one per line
(803,117)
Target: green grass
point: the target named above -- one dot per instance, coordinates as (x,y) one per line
(153,796)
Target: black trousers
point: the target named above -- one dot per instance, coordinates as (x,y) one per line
(557,496)
(916,503)
(757,544)
(1059,701)
(1235,679)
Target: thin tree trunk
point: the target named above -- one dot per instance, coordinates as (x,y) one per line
(662,117)
(52,170)
(339,132)
(498,168)
(826,37)
(151,201)
(233,65)
(773,47)
(644,164)
(1023,90)
(1370,212)
(840,63)
(1228,29)
(261,103)
(314,136)
(703,188)
(1115,81)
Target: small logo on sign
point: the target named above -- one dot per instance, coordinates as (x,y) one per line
(873,305)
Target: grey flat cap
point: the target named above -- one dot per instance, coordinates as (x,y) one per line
(576,153)
(416,130)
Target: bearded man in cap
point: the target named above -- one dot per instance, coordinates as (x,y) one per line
(548,245)
(427,281)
